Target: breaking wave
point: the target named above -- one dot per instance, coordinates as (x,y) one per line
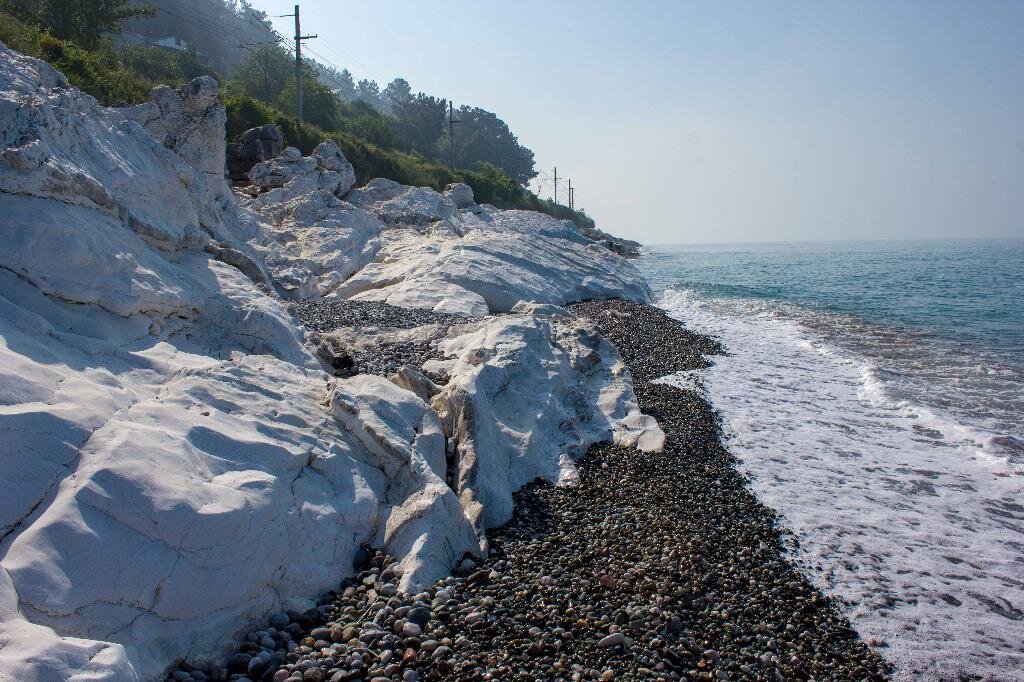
(897,460)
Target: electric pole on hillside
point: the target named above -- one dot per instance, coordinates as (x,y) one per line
(451,132)
(298,62)
(570,194)
(556,186)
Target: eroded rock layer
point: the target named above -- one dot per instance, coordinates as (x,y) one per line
(176,460)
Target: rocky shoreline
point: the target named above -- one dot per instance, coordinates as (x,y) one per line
(180,461)
(656,566)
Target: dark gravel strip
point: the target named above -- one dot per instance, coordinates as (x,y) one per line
(652,343)
(658,566)
(325,315)
(387,358)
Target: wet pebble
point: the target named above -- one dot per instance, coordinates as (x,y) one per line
(657,566)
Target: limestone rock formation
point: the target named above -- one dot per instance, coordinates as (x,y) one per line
(527,396)
(291,175)
(460,194)
(256,145)
(175,463)
(626,248)
(399,205)
(475,263)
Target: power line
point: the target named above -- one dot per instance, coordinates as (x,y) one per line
(298,62)
(198,22)
(345,57)
(337,52)
(198,15)
(202,20)
(232,38)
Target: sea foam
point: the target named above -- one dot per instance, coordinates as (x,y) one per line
(908,514)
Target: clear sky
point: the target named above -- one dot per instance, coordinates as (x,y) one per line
(728,121)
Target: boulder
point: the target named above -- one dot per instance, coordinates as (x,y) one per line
(293,175)
(540,309)
(400,205)
(627,248)
(275,172)
(58,146)
(527,396)
(189,121)
(256,145)
(320,235)
(330,159)
(460,194)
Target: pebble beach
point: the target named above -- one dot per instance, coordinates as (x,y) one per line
(656,566)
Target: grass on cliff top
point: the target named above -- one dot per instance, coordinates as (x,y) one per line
(127,75)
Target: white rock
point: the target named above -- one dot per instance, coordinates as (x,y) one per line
(279,170)
(460,194)
(188,121)
(321,235)
(56,147)
(527,396)
(331,159)
(175,466)
(398,204)
(405,438)
(412,247)
(292,175)
(540,309)
(501,258)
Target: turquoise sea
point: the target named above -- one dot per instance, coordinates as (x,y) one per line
(942,322)
(874,391)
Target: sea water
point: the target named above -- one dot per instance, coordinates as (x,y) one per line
(874,391)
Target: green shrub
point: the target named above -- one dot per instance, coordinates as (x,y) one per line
(83,22)
(160,65)
(129,75)
(112,77)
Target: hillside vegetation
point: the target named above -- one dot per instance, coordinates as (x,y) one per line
(118,75)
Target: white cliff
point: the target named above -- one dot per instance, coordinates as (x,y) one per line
(175,464)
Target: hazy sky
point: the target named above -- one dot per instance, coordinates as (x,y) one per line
(728,121)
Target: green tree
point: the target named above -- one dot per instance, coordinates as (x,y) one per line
(265,73)
(363,121)
(339,81)
(320,106)
(81,21)
(222,31)
(418,123)
(482,137)
(161,65)
(369,92)
(397,93)
(346,84)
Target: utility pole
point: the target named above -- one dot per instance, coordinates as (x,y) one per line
(556,185)
(451,133)
(570,194)
(298,63)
